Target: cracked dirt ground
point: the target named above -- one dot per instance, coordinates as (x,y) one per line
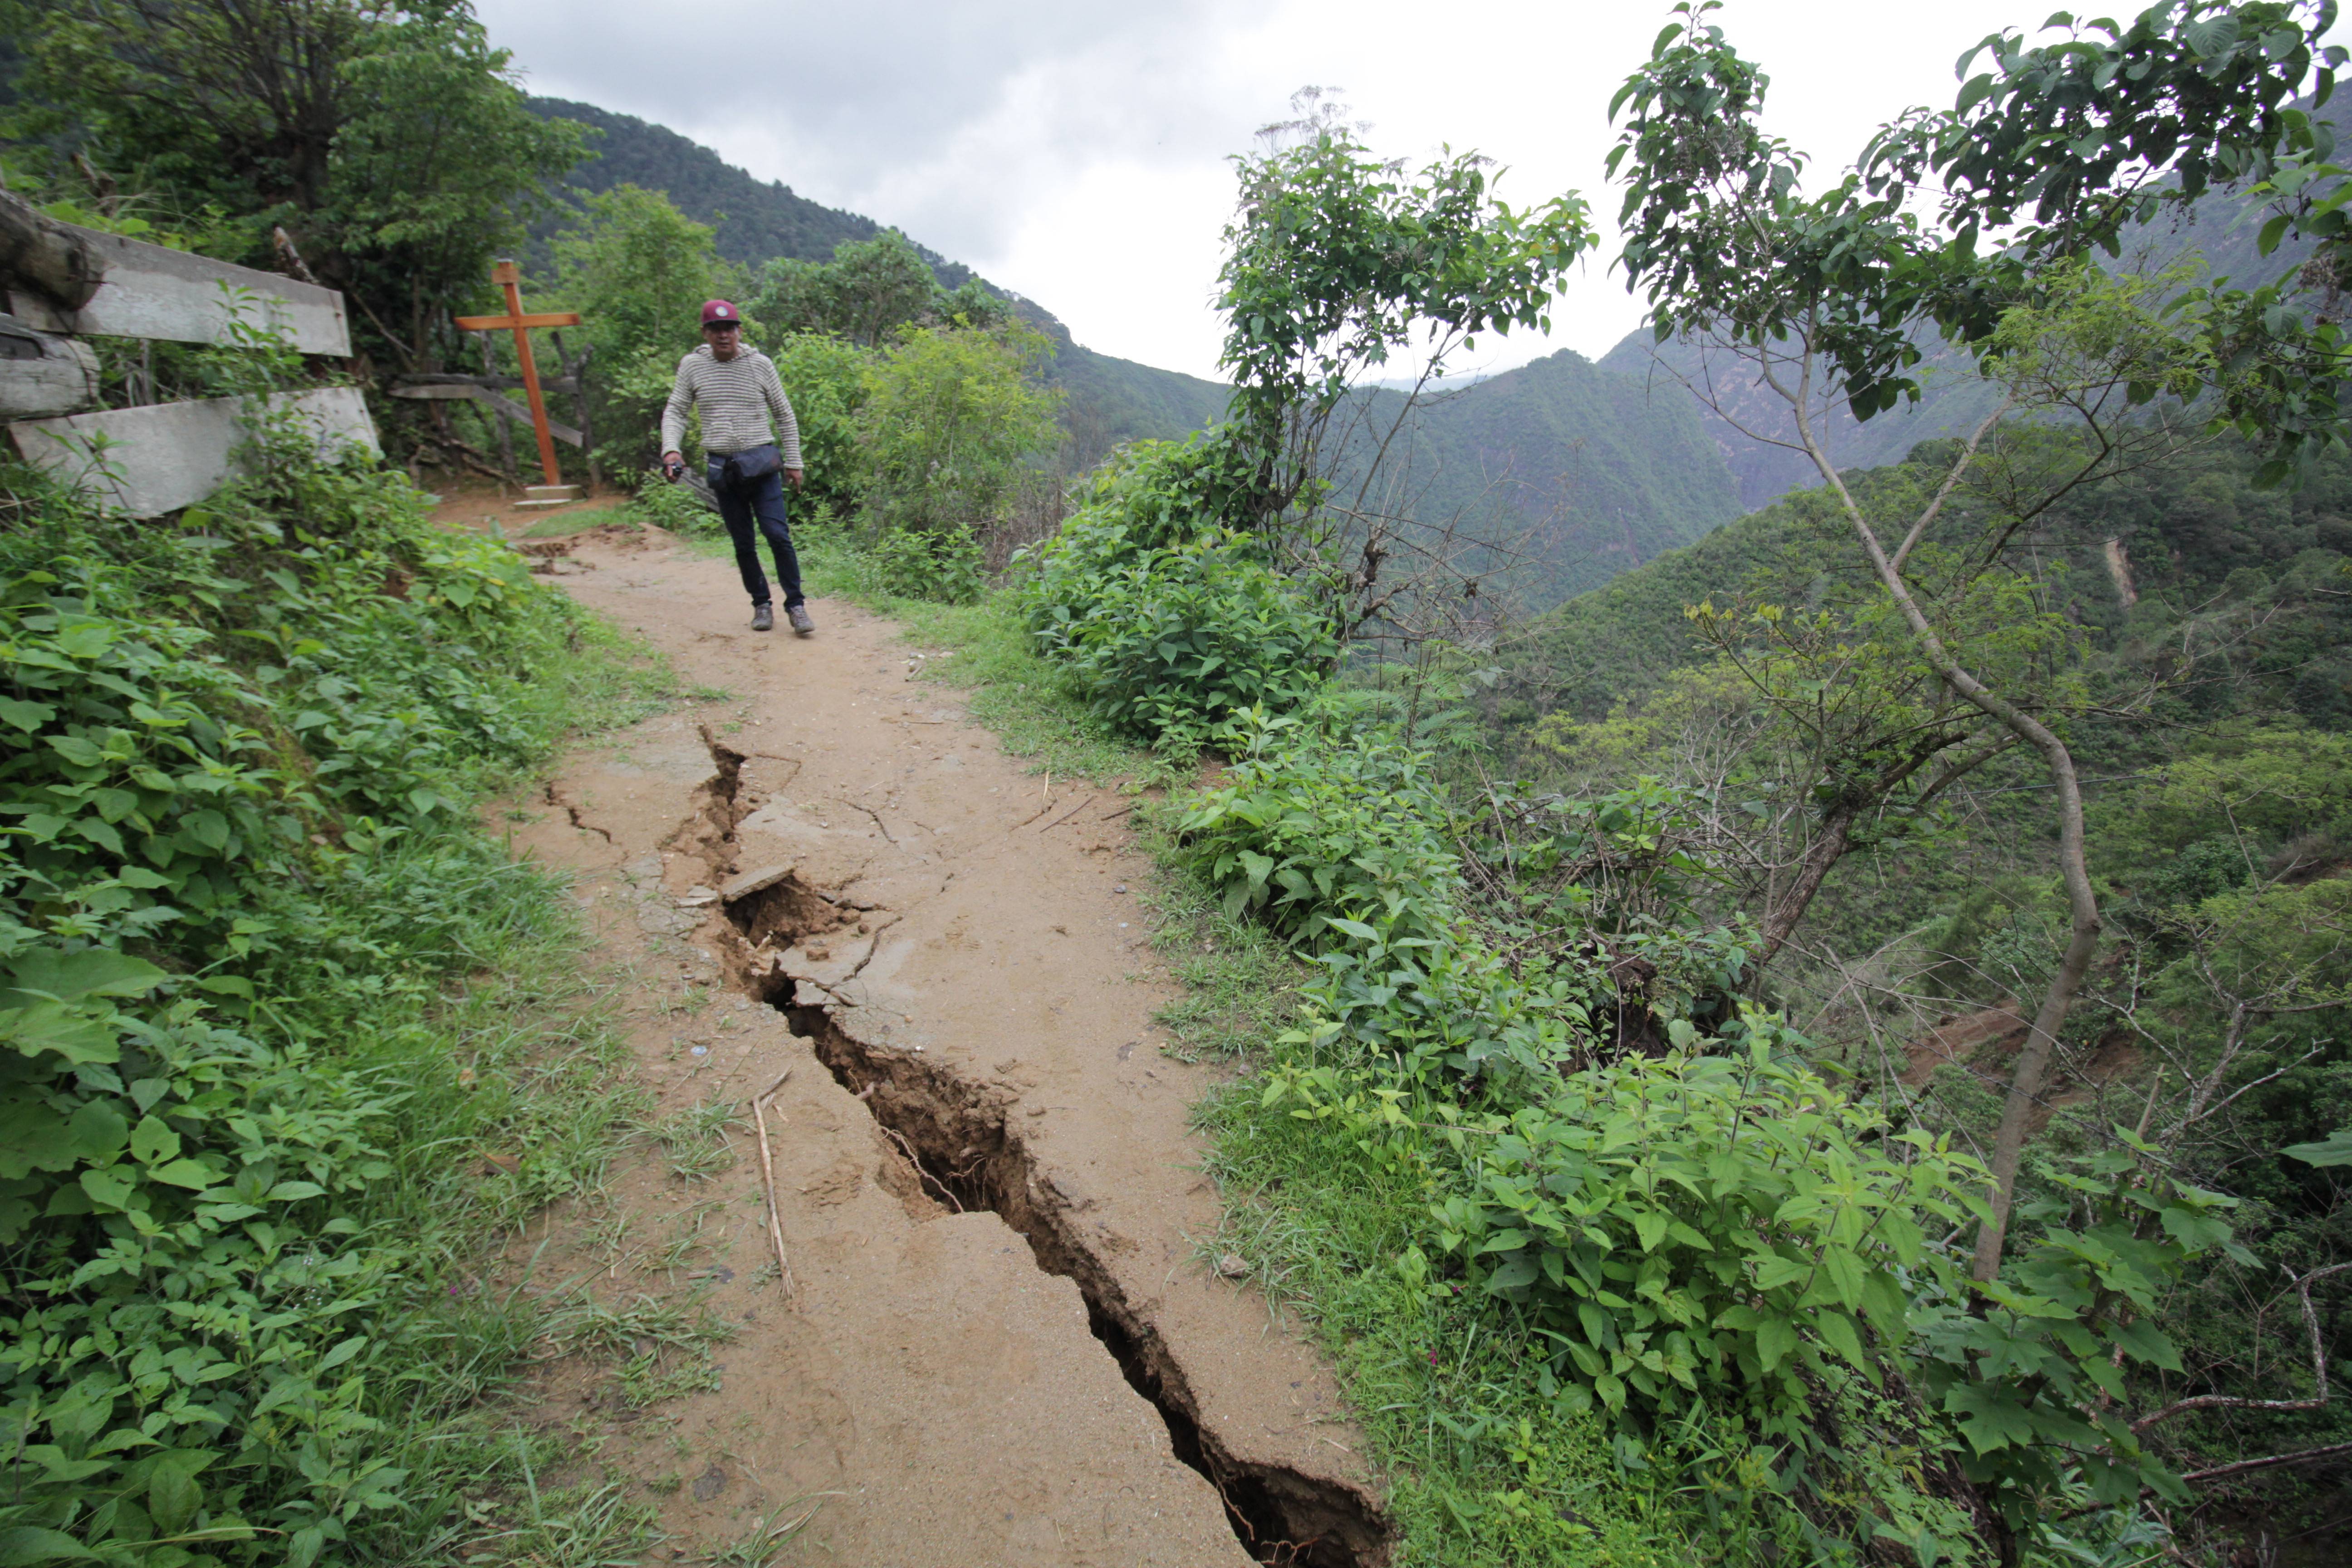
(1002,1344)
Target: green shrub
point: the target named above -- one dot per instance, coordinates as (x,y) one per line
(949,567)
(237,750)
(2034,1373)
(678,508)
(1678,1240)
(1307,832)
(1166,620)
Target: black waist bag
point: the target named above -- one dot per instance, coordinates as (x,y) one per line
(751,464)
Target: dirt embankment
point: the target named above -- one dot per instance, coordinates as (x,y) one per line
(1000,1341)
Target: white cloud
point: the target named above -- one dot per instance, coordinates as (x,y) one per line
(1076,151)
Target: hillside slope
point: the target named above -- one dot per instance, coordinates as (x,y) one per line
(1581,471)
(2184,535)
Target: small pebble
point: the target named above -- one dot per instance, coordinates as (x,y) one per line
(701,1050)
(1121,888)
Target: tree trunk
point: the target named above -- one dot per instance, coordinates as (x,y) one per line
(2083,905)
(1789,909)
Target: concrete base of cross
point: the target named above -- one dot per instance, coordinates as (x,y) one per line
(549,495)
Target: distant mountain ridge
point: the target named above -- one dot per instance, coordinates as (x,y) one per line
(1596,473)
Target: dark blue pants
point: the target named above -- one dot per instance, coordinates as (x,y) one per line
(759,501)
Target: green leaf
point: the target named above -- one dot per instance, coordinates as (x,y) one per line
(74,1033)
(1776,1337)
(173,1498)
(93,971)
(343,1352)
(24,1544)
(25,715)
(153,1142)
(32,1137)
(2336,1149)
(1994,1421)
(1844,1272)
(108,1189)
(194,1174)
(1837,1331)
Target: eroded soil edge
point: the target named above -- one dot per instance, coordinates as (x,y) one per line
(963,1155)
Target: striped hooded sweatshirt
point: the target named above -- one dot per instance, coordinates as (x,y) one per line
(736,396)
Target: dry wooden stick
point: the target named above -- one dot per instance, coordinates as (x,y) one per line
(768,1177)
(1065,817)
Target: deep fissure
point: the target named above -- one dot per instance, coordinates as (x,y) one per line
(966,1155)
(956,1136)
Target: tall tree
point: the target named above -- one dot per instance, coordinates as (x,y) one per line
(870,290)
(1824,299)
(1336,262)
(391,140)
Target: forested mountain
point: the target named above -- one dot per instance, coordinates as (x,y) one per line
(1584,468)
(2132,558)
(756,221)
(1954,399)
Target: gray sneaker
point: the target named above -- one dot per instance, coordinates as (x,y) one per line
(799,616)
(763,617)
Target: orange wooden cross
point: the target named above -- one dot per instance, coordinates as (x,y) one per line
(507,276)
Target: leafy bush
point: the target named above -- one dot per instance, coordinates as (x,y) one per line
(1309,833)
(2034,1376)
(947,568)
(951,415)
(825,379)
(1166,620)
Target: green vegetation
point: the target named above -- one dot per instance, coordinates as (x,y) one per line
(243,1215)
(1168,616)
(394,146)
(1579,471)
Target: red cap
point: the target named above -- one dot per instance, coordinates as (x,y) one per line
(720,311)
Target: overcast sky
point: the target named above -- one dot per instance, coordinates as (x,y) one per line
(1076,151)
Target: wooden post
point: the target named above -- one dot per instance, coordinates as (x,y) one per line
(576,372)
(509,277)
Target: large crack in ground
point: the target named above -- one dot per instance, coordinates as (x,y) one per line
(965,1154)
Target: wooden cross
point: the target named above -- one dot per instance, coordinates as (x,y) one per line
(507,276)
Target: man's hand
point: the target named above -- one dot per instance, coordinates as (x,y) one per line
(673,467)
(793,477)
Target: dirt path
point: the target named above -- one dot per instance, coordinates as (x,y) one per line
(1004,1344)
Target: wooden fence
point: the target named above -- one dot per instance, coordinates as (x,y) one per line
(64,282)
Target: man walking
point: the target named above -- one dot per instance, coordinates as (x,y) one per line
(737,389)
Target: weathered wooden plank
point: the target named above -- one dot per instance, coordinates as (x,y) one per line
(499,383)
(148,291)
(170,455)
(506,408)
(520,413)
(38,252)
(42,374)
